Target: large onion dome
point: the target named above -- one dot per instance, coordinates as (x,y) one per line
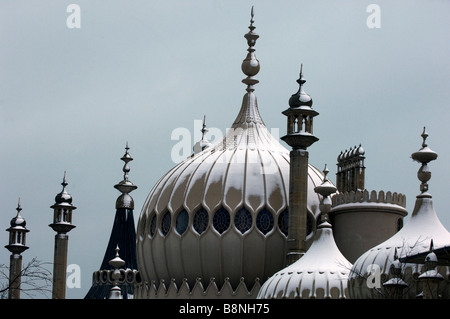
(322,272)
(222,213)
(423,227)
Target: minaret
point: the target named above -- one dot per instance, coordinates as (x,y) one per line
(62,224)
(17,241)
(123,235)
(299,136)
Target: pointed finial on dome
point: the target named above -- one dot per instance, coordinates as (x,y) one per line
(203,143)
(204,129)
(19,208)
(300,98)
(125,186)
(325,189)
(424,156)
(250,66)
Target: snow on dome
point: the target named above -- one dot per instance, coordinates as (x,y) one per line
(321,273)
(222,213)
(423,226)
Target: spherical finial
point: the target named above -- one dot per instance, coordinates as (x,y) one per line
(423,156)
(250,66)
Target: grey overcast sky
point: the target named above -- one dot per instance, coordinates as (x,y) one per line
(70,98)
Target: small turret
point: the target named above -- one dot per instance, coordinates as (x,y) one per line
(16,245)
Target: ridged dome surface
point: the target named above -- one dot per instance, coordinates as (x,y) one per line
(321,273)
(222,212)
(414,237)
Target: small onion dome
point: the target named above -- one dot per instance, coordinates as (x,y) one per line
(360,151)
(63,197)
(301,98)
(18,221)
(321,273)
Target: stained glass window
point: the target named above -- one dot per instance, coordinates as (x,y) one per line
(201,220)
(182,222)
(221,220)
(264,221)
(243,220)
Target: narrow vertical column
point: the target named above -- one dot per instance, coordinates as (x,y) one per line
(299,139)
(298,190)
(16,245)
(62,224)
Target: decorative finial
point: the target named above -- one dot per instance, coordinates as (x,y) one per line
(64,182)
(116,263)
(203,143)
(19,208)
(250,66)
(204,129)
(325,189)
(424,156)
(125,186)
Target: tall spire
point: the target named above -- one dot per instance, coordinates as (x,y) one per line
(123,235)
(250,67)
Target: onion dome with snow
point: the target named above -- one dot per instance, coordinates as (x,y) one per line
(322,272)
(222,213)
(423,227)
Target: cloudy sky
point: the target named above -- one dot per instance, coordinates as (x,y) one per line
(70,98)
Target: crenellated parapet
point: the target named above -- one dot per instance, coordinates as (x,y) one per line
(359,196)
(171,290)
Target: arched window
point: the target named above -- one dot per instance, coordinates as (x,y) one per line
(283,222)
(243,220)
(201,220)
(165,223)
(182,222)
(264,221)
(153,225)
(221,220)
